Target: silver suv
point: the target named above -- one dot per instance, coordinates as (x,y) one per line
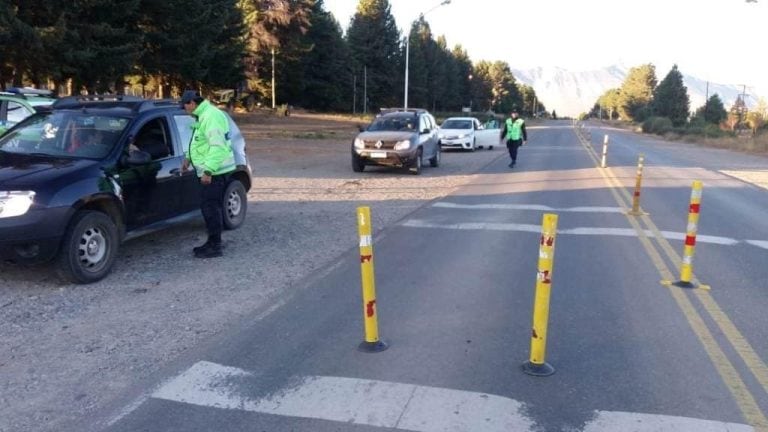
(398,138)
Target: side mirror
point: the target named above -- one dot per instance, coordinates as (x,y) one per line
(137,157)
(360,128)
(425,131)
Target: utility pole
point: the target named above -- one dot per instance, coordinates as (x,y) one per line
(354,93)
(365,89)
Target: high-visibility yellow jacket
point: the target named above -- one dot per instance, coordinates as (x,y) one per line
(211,148)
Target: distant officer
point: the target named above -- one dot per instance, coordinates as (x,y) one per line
(514,133)
(210,152)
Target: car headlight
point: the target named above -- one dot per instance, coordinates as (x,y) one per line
(359,144)
(15,203)
(463,135)
(403,145)
(441,136)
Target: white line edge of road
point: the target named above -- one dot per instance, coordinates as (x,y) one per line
(396,405)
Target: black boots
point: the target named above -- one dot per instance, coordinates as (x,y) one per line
(210,249)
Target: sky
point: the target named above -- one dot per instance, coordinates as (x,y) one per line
(722,41)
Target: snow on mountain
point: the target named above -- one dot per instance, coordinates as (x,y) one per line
(571,93)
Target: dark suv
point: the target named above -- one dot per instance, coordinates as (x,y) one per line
(77,180)
(399,138)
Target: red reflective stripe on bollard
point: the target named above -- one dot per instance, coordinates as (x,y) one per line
(695,208)
(690,240)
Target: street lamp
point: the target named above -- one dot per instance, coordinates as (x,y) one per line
(407,51)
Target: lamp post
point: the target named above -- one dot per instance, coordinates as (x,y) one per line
(407,51)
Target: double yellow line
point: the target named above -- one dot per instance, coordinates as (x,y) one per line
(741,394)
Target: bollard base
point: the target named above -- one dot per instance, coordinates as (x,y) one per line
(542,370)
(683,284)
(637,213)
(372,347)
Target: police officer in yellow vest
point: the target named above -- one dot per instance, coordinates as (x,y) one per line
(210,152)
(514,133)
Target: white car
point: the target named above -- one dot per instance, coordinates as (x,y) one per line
(467,133)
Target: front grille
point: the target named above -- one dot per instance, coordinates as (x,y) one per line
(385,145)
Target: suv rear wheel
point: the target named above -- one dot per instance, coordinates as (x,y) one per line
(89,248)
(434,162)
(235,205)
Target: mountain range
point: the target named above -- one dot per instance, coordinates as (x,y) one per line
(571,93)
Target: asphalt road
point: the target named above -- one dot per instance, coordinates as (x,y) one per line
(455,283)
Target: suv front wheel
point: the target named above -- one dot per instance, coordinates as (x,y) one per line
(89,248)
(235,205)
(416,164)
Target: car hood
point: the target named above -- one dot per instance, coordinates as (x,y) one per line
(386,136)
(22,170)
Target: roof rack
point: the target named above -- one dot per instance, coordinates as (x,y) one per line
(133,103)
(82,100)
(403,110)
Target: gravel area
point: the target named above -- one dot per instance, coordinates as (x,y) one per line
(68,350)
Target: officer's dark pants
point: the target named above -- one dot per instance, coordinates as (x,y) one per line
(512,146)
(212,206)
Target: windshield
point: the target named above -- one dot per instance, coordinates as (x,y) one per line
(65,133)
(457,124)
(394,123)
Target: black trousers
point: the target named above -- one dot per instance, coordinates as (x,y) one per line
(212,206)
(512,146)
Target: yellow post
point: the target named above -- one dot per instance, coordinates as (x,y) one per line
(605,151)
(371,342)
(686,269)
(638,182)
(537,365)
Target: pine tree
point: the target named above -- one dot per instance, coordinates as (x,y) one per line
(713,110)
(670,98)
(327,77)
(374,44)
(99,44)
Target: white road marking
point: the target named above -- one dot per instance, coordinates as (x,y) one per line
(608,421)
(396,405)
(535,207)
(621,232)
(351,400)
(759,243)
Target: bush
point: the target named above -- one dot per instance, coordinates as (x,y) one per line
(657,125)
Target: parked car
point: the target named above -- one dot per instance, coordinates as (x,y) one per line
(91,172)
(398,138)
(16,104)
(468,133)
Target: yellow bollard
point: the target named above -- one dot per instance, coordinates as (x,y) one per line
(638,182)
(605,151)
(686,269)
(536,365)
(371,342)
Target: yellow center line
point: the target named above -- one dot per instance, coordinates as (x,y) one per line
(730,376)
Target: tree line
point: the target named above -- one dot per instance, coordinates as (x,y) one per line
(665,106)
(159,48)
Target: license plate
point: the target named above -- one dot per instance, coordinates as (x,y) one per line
(379,155)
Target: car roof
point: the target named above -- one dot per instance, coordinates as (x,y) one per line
(123,103)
